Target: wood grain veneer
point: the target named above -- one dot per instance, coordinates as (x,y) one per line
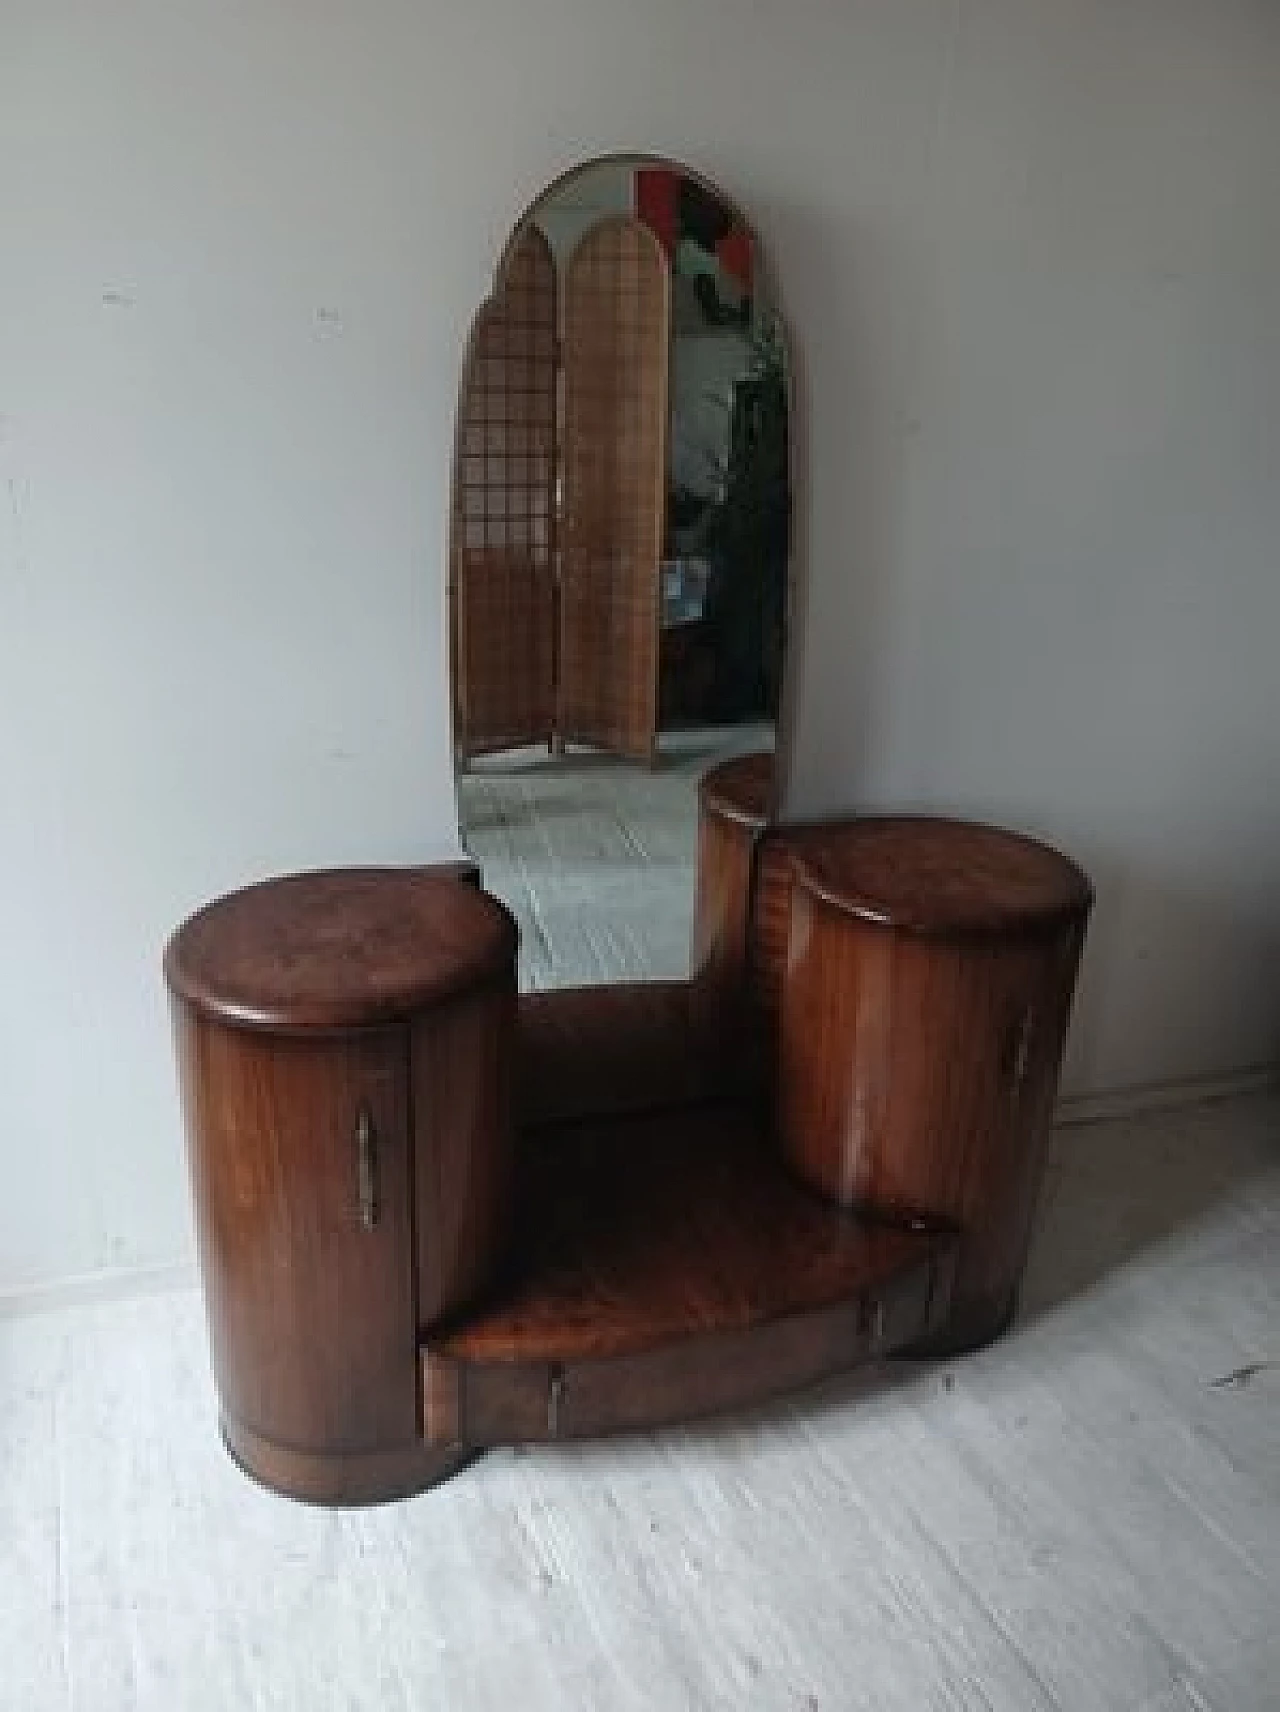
(734,804)
(593,1052)
(666,1267)
(344,1047)
(338,949)
(928,980)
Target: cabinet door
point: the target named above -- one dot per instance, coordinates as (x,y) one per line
(299,1156)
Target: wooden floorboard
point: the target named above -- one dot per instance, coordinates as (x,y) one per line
(1084,1516)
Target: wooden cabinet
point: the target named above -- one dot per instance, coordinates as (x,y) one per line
(735,801)
(311,1296)
(899,987)
(344,1049)
(669,1268)
(928,978)
(433,1218)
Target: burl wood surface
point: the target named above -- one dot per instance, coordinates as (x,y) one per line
(667,1266)
(740,789)
(924,1006)
(949,878)
(339,949)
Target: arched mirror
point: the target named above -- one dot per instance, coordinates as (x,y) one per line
(619,563)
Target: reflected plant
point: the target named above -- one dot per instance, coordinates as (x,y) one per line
(746,535)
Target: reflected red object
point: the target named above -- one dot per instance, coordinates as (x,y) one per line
(659,196)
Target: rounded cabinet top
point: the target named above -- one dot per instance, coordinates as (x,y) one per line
(940,877)
(342,949)
(740,789)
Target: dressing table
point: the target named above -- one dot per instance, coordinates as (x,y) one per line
(434,1216)
(437,1213)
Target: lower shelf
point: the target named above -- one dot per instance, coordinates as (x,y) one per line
(671,1268)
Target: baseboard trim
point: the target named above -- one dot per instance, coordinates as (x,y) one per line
(1076,1109)
(87,1288)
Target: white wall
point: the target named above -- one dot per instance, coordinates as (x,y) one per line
(1032,251)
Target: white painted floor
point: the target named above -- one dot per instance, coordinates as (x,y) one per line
(1081,1517)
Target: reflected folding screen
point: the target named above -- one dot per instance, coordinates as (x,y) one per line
(503,571)
(616,328)
(556,614)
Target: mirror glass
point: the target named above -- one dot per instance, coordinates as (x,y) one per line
(619,561)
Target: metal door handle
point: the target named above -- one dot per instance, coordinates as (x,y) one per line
(367,1168)
(1015,1057)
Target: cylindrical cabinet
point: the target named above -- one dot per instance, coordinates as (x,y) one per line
(929,975)
(735,801)
(344,1046)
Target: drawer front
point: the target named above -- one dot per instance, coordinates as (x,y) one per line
(300,1165)
(477,1403)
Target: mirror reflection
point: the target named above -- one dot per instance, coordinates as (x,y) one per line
(619,560)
